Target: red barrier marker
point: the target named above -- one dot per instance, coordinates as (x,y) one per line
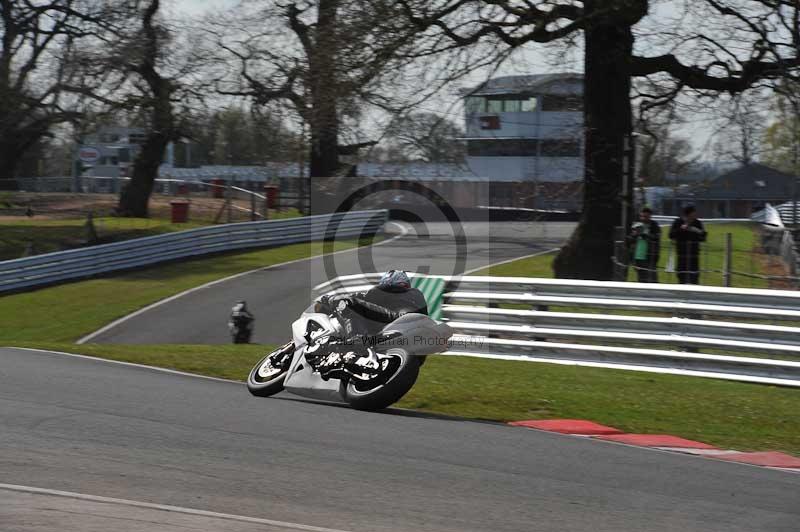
(568,426)
(768,459)
(656,440)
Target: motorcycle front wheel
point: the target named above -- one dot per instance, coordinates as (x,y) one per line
(267,377)
(399,373)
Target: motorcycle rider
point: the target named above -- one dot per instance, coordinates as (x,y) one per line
(242,321)
(369,312)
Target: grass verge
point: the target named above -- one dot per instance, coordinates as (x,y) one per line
(48,235)
(67,312)
(45,236)
(745,258)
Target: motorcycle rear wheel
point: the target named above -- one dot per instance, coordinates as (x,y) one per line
(400,374)
(265,379)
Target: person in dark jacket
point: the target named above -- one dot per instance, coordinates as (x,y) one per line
(687,232)
(645,242)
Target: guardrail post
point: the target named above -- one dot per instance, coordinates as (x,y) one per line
(229,201)
(728,259)
(620,255)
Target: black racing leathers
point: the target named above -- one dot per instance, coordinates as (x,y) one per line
(375,309)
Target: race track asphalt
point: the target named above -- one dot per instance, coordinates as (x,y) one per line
(277,296)
(98,428)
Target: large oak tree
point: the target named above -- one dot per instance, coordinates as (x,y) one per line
(332,62)
(148,72)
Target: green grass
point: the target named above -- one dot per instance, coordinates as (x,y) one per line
(47,235)
(538,266)
(57,235)
(224,361)
(745,259)
(745,242)
(67,312)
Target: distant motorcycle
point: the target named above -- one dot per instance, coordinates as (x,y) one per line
(385,371)
(240,324)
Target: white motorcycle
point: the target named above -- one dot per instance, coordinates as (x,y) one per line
(382,368)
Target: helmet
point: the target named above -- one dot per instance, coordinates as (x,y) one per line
(395,280)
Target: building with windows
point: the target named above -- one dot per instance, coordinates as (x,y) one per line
(117,148)
(528,129)
(737,193)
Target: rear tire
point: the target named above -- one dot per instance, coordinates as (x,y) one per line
(263,384)
(356,394)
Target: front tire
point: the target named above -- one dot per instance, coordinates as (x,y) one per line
(385,390)
(266,378)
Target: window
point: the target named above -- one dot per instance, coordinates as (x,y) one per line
(559,102)
(529,105)
(512,106)
(500,104)
(475,104)
(502,148)
(561,148)
(494,106)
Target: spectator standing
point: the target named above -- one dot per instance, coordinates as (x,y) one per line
(687,232)
(645,240)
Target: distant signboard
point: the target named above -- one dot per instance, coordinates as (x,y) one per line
(88,154)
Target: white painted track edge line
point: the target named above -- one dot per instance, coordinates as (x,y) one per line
(91,336)
(129,364)
(165,508)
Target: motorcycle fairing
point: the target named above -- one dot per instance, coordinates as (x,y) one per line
(301,379)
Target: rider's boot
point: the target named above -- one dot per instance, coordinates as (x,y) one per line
(353,362)
(359,363)
(331,366)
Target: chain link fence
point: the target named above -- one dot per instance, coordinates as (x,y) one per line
(739,254)
(45,214)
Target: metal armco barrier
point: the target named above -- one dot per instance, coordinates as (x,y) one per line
(52,268)
(508,318)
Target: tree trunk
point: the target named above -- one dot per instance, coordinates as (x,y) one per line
(324,157)
(9,160)
(135,196)
(324,123)
(608,122)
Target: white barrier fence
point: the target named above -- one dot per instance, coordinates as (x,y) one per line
(510,319)
(79,263)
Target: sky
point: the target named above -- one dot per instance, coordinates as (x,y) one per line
(198,7)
